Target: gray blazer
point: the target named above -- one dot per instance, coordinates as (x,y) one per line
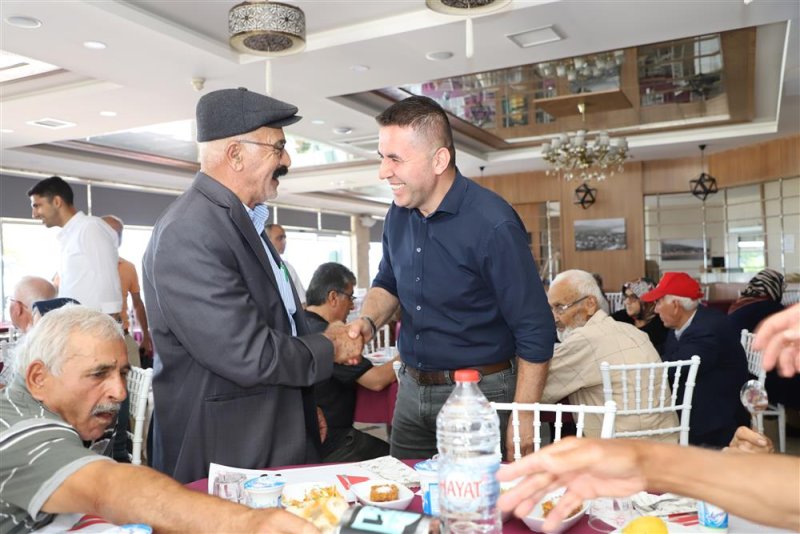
(231,384)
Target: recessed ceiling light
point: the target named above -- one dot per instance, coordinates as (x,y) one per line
(442,55)
(528,38)
(6,130)
(108,113)
(342,130)
(94,45)
(317,121)
(359,68)
(28,23)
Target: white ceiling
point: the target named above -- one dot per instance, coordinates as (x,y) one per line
(155,48)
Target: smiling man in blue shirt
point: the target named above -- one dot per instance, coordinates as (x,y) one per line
(457,262)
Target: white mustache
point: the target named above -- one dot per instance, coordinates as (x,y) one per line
(109,407)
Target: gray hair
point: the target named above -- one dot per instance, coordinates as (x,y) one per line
(47,340)
(31,289)
(583,283)
(685,302)
(212,153)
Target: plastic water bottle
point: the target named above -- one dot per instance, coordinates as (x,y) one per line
(468,439)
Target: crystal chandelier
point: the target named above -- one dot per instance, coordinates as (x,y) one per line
(574,156)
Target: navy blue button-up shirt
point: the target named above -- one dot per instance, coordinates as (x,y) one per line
(468,286)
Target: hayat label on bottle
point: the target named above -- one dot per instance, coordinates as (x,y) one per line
(468,488)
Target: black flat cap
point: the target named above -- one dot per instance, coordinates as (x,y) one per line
(230,112)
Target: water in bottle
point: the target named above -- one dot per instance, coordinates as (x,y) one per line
(468,439)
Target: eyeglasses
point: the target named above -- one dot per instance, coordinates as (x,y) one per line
(278,149)
(558,309)
(351,296)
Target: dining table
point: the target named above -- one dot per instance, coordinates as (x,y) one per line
(514,525)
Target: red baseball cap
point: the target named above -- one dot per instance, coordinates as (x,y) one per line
(676,284)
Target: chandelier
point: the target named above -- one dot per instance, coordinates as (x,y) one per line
(575,156)
(267,28)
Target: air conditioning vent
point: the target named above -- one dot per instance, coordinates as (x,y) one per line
(53,124)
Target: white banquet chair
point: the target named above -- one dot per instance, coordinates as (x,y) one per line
(755,368)
(139,390)
(578,413)
(660,396)
(616,301)
(381,341)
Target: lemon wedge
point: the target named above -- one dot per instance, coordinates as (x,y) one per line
(646,525)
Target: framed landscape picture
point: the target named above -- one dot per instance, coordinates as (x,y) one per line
(681,249)
(600,234)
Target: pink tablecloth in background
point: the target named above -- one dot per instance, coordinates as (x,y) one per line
(375,406)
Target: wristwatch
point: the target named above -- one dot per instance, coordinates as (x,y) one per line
(371,324)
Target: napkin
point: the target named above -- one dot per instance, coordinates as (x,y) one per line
(390,468)
(662,505)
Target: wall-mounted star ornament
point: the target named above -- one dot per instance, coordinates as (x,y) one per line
(585,196)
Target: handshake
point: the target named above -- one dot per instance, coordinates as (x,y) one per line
(348,340)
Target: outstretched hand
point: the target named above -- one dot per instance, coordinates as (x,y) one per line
(587,467)
(779,339)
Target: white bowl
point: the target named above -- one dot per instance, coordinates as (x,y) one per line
(535,519)
(362,491)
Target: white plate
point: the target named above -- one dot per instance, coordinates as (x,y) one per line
(382,356)
(300,491)
(535,519)
(362,491)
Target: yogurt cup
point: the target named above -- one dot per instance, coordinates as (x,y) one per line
(263,492)
(428,472)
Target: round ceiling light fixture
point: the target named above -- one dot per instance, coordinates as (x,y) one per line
(19,21)
(108,113)
(342,130)
(441,55)
(265,28)
(466,7)
(94,45)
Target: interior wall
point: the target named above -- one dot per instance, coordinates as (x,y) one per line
(622,196)
(619,196)
(762,162)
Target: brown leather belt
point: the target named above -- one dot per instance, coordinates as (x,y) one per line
(438,378)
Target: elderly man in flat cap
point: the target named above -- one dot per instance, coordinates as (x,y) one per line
(706,332)
(234,360)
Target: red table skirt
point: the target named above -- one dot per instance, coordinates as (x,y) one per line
(375,406)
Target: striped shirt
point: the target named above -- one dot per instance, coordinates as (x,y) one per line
(39,452)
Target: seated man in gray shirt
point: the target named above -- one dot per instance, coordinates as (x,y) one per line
(68,387)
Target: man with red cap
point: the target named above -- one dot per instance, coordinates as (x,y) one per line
(695,329)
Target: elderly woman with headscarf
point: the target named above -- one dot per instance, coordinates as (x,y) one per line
(760,299)
(642,314)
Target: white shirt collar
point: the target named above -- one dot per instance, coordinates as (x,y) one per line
(682,329)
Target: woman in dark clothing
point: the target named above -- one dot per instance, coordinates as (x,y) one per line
(760,299)
(642,314)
